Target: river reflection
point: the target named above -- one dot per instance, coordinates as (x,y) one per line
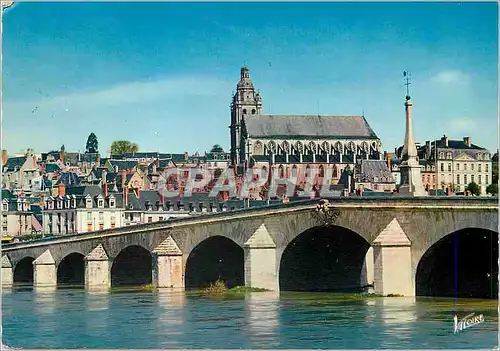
(169,329)
(161,319)
(398,316)
(262,319)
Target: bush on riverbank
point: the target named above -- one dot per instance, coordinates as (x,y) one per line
(219,288)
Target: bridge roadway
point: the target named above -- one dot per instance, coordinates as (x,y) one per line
(387,239)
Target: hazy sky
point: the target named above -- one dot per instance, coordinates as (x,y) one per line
(162,74)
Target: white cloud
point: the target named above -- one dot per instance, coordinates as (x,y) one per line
(451,77)
(133,110)
(462,126)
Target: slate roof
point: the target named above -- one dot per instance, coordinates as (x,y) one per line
(123,165)
(456,144)
(13,163)
(52,167)
(374,171)
(308,126)
(81,193)
(69,179)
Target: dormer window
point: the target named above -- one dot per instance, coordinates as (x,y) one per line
(448,155)
(5,207)
(67,204)
(88,203)
(112,203)
(441,155)
(100,203)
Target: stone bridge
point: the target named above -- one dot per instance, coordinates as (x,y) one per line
(396,245)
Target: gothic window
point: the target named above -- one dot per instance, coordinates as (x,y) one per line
(308,171)
(286,147)
(281,171)
(271,147)
(365,146)
(299,147)
(338,146)
(326,147)
(312,147)
(258,147)
(294,171)
(352,147)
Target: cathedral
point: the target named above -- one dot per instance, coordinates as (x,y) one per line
(296,142)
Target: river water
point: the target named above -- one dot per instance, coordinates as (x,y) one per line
(147,319)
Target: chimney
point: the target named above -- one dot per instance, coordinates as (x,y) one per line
(98,160)
(124,188)
(61,156)
(444,140)
(61,190)
(186,156)
(467,141)
(387,157)
(4,157)
(104,182)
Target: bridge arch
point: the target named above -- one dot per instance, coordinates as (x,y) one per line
(71,270)
(132,267)
(463,263)
(23,271)
(323,258)
(217,257)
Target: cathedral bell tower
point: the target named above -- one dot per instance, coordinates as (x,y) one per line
(246,102)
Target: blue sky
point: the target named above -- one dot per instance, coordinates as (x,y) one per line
(162,74)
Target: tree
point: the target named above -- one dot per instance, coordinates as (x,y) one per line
(492,189)
(217,149)
(494,166)
(120,147)
(474,189)
(92,146)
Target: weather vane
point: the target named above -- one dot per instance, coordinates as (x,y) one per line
(407,76)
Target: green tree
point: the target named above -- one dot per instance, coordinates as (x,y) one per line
(474,189)
(216,149)
(120,147)
(494,166)
(92,146)
(492,189)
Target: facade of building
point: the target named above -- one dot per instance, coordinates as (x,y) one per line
(294,143)
(17,217)
(451,165)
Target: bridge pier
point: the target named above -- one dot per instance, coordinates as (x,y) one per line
(7,272)
(44,271)
(168,269)
(367,272)
(392,261)
(260,261)
(97,270)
